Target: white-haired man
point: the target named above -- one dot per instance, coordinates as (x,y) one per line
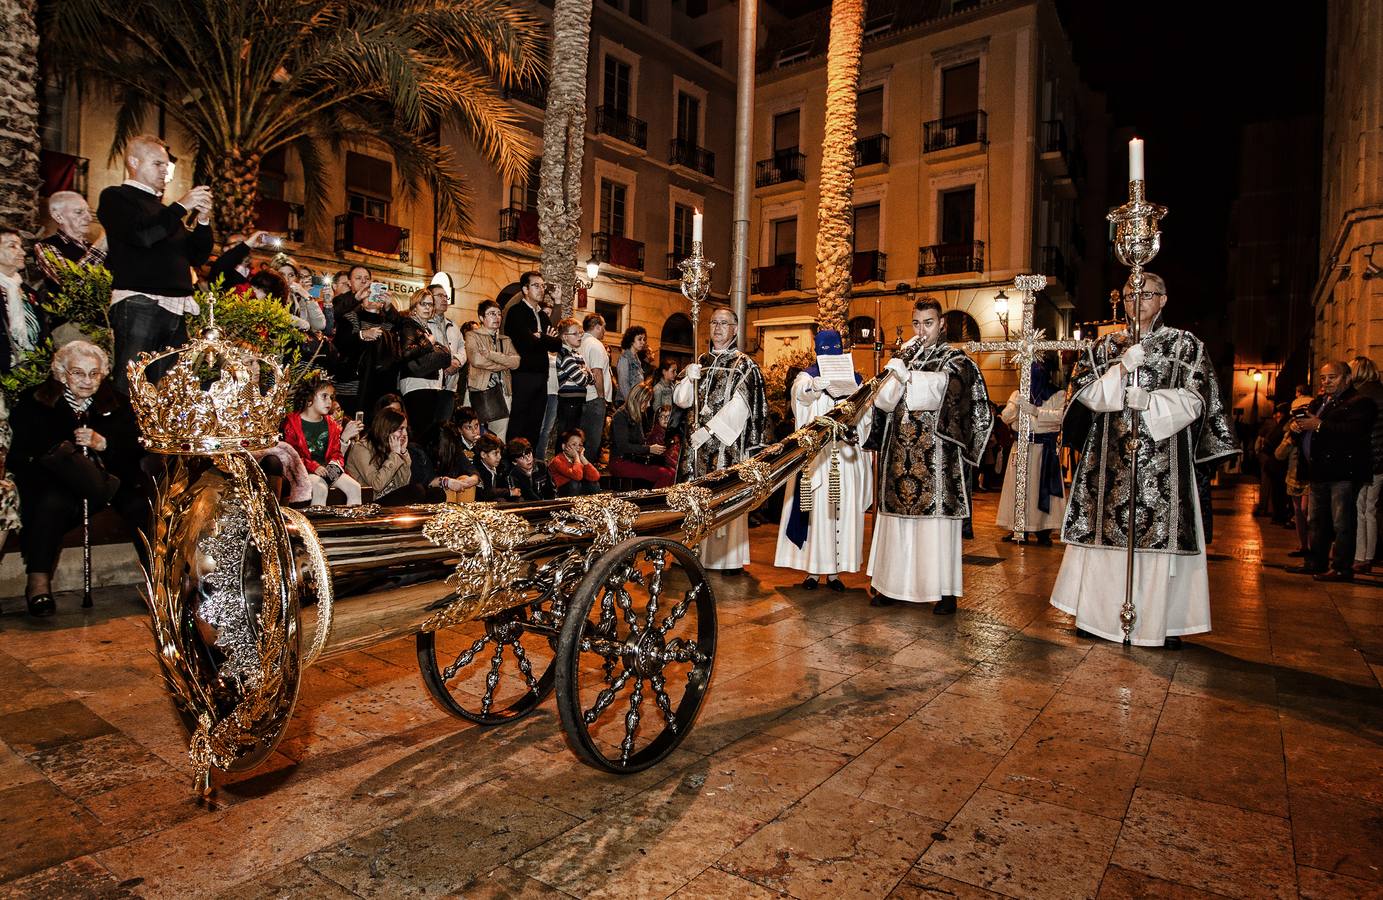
(73,218)
(151,255)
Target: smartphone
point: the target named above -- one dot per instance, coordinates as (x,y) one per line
(1301,412)
(276,242)
(379,291)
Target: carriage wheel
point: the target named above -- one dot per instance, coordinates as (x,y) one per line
(492,671)
(635,654)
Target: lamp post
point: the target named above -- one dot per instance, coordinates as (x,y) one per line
(1257,376)
(1001,310)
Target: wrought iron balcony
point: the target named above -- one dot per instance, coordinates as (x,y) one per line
(616,250)
(621,126)
(868,265)
(372,237)
(519,225)
(955,131)
(673,272)
(61,172)
(871,151)
(775,279)
(280,217)
(949,259)
(784,166)
(1053,136)
(686,154)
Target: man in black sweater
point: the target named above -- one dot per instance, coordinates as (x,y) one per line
(533,335)
(151,256)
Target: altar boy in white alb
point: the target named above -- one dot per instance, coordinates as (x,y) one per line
(730,429)
(938,418)
(1182,425)
(1046,494)
(822,532)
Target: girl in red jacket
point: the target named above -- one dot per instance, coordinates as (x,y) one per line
(319,439)
(570,471)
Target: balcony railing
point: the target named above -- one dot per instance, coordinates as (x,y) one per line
(624,252)
(775,279)
(871,151)
(687,154)
(61,172)
(868,265)
(621,126)
(784,166)
(955,131)
(519,225)
(534,95)
(280,217)
(1054,137)
(673,272)
(948,259)
(372,237)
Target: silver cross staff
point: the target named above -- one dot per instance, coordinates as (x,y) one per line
(1025,350)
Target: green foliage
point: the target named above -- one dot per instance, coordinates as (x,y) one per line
(264,326)
(776,377)
(82,297)
(33,370)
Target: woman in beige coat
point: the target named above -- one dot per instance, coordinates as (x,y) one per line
(491,356)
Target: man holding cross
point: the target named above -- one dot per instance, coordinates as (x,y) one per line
(1182,425)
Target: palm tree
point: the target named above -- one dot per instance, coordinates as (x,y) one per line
(248,77)
(19,110)
(835,214)
(564,144)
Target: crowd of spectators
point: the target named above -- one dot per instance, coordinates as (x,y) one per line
(407,403)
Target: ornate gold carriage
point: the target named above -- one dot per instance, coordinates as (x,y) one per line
(601,599)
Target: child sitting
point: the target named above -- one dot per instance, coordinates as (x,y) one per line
(318,439)
(527,481)
(494,483)
(571,472)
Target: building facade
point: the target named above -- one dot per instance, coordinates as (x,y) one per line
(1348,296)
(970,170)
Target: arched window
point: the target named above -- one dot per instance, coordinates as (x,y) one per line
(862,330)
(960,327)
(677,334)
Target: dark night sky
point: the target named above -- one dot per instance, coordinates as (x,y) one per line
(1198,78)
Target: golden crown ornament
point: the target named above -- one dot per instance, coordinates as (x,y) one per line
(217,397)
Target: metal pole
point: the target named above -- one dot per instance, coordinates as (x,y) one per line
(744,149)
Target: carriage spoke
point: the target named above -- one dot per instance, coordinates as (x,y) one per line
(680,609)
(606,697)
(664,702)
(525,667)
(492,680)
(465,659)
(655,587)
(631,723)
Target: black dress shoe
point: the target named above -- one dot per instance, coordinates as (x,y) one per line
(1082,633)
(1171,643)
(1304,570)
(1298,554)
(809,582)
(944,607)
(880,600)
(1044,539)
(728,573)
(1335,576)
(836,585)
(41,605)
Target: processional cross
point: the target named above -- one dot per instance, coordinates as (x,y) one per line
(1025,348)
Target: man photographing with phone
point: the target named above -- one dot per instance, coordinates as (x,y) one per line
(152,251)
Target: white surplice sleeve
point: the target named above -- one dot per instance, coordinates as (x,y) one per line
(684,393)
(889,395)
(1169,411)
(730,421)
(1105,394)
(926,390)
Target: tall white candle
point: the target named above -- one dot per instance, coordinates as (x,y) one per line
(1135,159)
(696,225)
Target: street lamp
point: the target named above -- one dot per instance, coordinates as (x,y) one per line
(592,272)
(1257,376)
(1001,310)
(1075,333)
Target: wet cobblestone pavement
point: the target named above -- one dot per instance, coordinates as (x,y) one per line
(844,751)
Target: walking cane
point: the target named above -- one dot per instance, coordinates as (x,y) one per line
(86,531)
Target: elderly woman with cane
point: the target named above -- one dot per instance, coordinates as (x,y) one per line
(75,443)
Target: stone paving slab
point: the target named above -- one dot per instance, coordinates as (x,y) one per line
(844,751)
